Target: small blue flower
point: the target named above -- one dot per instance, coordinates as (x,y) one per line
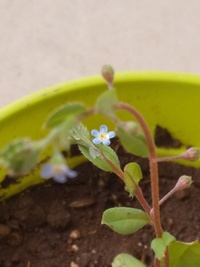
(102,136)
(59,172)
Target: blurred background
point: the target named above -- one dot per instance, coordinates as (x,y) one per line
(45,42)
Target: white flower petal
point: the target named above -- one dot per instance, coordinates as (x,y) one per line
(60,178)
(47,171)
(103,129)
(106,142)
(111,134)
(96,141)
(71,173)
(95,133)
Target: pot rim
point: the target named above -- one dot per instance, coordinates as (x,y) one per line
(84,82)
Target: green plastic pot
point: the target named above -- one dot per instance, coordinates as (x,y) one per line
(170,100)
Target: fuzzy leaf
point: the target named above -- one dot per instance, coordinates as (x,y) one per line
(132,176)
(20,156)
(94,153)
(125,220)
(60,115)
(81,135)
(159,245)
(96,158)
(135,145)
(62,132)
(126,260)
(184,254)
(106,103)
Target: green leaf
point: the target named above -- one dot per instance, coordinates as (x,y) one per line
(93,154)
(61,134)
(134,144)
(132,176)
(126,260)
(20,156)
(184,254)
(106,103)
(159,245)
(125,220)
(80,134)
(60,114)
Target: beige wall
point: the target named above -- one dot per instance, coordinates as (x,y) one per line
(44,42)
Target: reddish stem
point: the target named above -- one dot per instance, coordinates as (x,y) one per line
(138,194)
(164,159)
(140,197)
(156,262)
(116,170)
(166,259)
(169,194)
(152,163)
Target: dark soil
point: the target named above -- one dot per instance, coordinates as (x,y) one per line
(54,225)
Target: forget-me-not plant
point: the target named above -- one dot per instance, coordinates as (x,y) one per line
(66,128)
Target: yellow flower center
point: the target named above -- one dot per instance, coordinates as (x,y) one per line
(57,168)
(103,136)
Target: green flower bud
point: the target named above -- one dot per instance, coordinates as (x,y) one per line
(132,127)
(191,154)
(183,182)
(108,74)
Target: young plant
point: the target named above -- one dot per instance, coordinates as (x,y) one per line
(66,128)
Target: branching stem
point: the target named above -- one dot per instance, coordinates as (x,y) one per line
(169,194)
(152,163)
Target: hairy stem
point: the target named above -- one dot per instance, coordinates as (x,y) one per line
(152,163)
(157,263)
(164,159)
(166,258)
(169,194)
(140,197)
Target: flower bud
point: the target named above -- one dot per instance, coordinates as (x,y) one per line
(183,182)
(108,74)
(191,154)
(132,127)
